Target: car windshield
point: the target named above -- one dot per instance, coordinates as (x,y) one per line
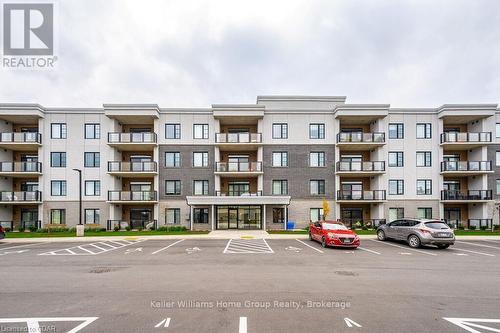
(436,225)
(334,226)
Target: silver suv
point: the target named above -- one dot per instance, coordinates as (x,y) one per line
(417,232)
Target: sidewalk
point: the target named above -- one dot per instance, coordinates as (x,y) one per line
(218,234)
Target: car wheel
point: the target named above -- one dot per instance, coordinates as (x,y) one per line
(443,246)
(414,241)
(381,235)
(323,242)
(310,237)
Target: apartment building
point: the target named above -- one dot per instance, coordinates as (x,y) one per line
(248,166)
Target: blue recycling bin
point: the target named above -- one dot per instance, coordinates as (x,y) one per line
(290,225)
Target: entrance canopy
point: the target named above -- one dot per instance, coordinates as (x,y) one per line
(238,200)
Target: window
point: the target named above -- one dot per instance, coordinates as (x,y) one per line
(200,131)
(396,213)
(317,159)
(58,160)
(200,160)
(498,186)
(92,216)
(424,158)
(424,131)
(396,187)
(497,158)
(58,188)
(317,187)
(92,187)
(396,131)
(58,216)
(58,131)
(278,215)
(396,159)
(200,187)
(173,216)
(172,160)
(92,131)
(173,187)
(424,187)
(280,159)
(497,130)
(316,131)
(316,214)
(92,160)
(280,131)
(200,215)
(172,131)
(424,213)
(280,187)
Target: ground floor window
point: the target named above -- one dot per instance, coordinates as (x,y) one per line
(396,213)
(92,216)
(58,216)
(316,214)
(173,216)
(279,215)
(200,215)
(239,217)
(424,213)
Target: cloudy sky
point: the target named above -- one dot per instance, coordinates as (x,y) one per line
(184,53)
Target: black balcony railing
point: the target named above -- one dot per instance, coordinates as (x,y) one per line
(238,194)
(37,224)
(466,195)
(7,225)
(21,137)
(20,196)
(134,224)
(361,166)
(466,166)
(361,195)
(141,137)
(132,196)
(20,167)
(238,166)
(238,137)
(118,166)
(354,137)
(473,137)
(477,223)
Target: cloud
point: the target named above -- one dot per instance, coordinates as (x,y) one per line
(195,53)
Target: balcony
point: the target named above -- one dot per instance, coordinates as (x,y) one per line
(464,140)
(359,140)
(238,194)
(243,169)
(466,196)
(132,169)
(238,141)
(134,224)
(361,196)
(357,223)
(132,197)
(20,141)
(466,168)
(20,169)
(477,223)
(132,141)
(20,197)
(355,169)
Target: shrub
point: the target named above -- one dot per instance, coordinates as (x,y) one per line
(484,227)
(139,229)
(128,228)
(116,228)
(21,229)
(472,227)
(461,227)
(7,229)
(496,227)
(172,228)
(32,228)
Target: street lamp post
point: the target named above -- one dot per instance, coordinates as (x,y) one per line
(79,227)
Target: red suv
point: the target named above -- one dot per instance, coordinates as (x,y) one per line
(332,233)
(2,232)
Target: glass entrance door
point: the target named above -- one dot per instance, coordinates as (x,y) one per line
(140,217)
(233,218)
(453,216)
(351,215)
(29,217)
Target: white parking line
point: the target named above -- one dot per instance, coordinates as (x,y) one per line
(100,248)
(246,246)
(403,247)
(312,247)
(482,245)
(368,250)
(86,249)
(15,247)
(166,247)
(475,252)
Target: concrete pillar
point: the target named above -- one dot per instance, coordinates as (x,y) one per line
(286,216)
(191,227)
(264,217)
(212,217)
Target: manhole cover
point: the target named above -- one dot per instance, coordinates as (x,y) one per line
(346,273)
(99,270)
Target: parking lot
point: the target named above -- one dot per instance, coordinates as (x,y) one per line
(249,285)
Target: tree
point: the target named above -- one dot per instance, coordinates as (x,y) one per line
(326,209)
